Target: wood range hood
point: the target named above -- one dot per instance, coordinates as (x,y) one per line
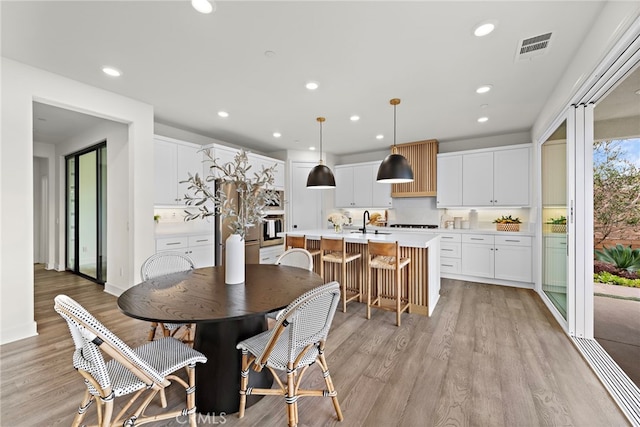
(422,156)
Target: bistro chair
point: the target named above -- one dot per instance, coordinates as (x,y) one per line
(145,370)
(385,257)
(163,264)
(296,257)
(296,342)
(300,242)
(334,252)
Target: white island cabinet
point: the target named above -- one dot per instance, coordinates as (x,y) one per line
(424,269)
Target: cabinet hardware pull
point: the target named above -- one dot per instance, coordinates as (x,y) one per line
(446,265)
(173,243)
(447,250)
(447,237)
(511,240)
(475,238)
(202,240)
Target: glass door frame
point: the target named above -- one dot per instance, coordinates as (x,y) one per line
(567,117)
(100,234)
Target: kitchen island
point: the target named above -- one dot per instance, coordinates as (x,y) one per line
(423,271)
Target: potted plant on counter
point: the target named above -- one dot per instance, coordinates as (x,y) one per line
(507,223)
(254,192)
(558,225)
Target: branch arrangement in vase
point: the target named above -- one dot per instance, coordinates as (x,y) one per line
(255,192)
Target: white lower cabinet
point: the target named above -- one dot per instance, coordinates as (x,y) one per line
(270,254)
(200,248)
(450,252)
(497,257)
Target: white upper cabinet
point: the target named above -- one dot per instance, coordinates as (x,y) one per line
(511,175)
(174,161)
(477,179)
(449,181)
(356,187)
(496,177)
(256,161)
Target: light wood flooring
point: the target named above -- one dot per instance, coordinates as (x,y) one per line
(489,356)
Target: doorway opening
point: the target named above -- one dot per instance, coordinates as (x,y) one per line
(86,212)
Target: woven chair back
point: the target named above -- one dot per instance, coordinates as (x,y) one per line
(296,242)
(306,320)
(296,257)
(88,333)
(164,263)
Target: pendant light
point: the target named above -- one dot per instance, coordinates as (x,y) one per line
(321,176)
(395,168)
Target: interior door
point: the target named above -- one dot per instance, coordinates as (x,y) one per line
(306,204)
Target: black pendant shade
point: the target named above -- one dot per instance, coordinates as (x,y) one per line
(321,177)
(395,168)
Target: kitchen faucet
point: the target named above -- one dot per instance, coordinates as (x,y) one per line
(365,216)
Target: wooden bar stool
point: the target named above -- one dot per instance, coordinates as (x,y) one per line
(386,256)
(335,251)
(301,242)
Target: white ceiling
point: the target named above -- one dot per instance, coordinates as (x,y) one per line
(362,53)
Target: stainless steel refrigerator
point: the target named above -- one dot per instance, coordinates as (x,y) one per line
(252,237)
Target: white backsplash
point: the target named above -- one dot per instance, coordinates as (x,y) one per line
(172,221)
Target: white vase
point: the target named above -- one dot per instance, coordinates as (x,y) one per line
(234,260)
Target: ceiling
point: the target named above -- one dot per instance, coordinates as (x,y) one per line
(252,59)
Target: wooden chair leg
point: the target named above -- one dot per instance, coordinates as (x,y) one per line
(291,398)
(369,293)
(191,398)
(152,331)
(244,382)
(332,391)
(398,297)
(87,400)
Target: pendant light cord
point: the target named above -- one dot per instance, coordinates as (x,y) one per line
(320,120)
(394,125)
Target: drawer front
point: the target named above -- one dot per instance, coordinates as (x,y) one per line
(201,240)
(478,238)
(170,243)
(555,242)
(450,250)
(449,265)
(450,237)
(513,241)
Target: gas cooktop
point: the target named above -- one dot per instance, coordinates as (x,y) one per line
(413,226)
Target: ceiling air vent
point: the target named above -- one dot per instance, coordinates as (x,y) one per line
(533,46)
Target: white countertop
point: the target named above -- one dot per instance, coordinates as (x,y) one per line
(406,239)
(423,231)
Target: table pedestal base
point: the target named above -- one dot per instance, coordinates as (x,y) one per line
(218,380)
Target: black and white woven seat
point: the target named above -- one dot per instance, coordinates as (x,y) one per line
(149,368)
(163,264)
(296,342)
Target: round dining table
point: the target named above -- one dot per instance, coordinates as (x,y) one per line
(224,315)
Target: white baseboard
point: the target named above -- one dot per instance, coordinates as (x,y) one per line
(486,280)
(15,333)
(113,289)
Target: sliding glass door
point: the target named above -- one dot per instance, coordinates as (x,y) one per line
(87,212)
(555,211)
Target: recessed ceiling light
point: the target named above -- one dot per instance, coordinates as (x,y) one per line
(484,28)
(354,118)
(484,89)
(312,85)
(380,136)
(277,134)
(203,6)
(483,119)
(312,148)
(110,71)
(223,114)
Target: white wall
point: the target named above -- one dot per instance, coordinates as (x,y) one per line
(47,152)
(616,18)
(21,85)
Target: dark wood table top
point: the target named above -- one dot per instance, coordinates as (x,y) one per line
(202,296)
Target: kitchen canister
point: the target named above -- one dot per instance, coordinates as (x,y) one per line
(473,218)
(457,222)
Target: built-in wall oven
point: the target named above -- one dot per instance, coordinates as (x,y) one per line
(271,228)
